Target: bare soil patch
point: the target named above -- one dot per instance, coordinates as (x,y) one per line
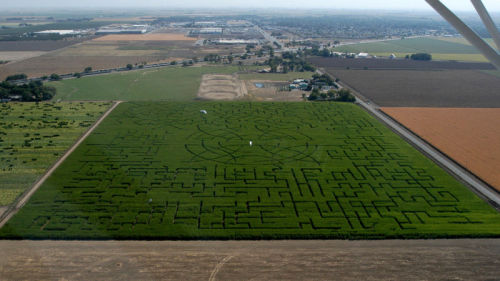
(471,136)
(397,64)
(423,88)
(17,56)
(221,87)
(46,65)
(146,37)
(251,260)
(40,45)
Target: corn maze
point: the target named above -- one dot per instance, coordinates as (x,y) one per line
(34,135)
(249,171)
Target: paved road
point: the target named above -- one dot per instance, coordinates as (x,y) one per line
(463,174)
(251,260)
(15,207)
(268,36)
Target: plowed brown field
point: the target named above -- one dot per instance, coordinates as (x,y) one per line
(146,37)
(471,136)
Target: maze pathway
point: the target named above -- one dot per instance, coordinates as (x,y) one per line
(313,170)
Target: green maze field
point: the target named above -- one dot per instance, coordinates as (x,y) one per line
(34,135)
(314,170)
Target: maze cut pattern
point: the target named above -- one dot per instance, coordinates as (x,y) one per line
(165,170)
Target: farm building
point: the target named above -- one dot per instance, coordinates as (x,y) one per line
(58,32)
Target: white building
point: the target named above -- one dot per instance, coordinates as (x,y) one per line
(59,32)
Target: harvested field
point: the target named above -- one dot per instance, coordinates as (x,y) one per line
(110,54)
(418,88)
(409,260)
(48,64)
(40,45)
(16,56)
(471,136)
(146,37)
(221,87)
(397,64)
(164,170)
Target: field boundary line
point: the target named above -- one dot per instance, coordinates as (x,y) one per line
(23,199)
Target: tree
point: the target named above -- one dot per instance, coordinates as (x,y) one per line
(55,77)
(77,75)
(421,56)
(230,59)
(173,62)
(87,69)
(20,76)
(345,96)
(314,95)
(130,66)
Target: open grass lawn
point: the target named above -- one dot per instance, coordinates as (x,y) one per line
(160,170)
(277,76)
(439,48)
(34,135)
(167,84)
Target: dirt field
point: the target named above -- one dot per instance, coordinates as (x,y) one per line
(146,37)
(397,64)
(221,87)
(110,54)
(271,91)
(251,260)
(423,88)
(471,136)
(16,56)
(45,65)
(40,45)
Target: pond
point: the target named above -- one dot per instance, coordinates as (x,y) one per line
(259,85)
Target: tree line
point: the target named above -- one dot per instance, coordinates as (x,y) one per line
(33,91)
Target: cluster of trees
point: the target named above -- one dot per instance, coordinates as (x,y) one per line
(33,91)
(342,95)
(322,79)
(213,58)
(420,56)
(289,62)
(20,76)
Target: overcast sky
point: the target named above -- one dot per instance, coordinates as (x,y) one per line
(458,5)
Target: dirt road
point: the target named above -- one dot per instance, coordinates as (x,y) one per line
(9,213)
(251,260)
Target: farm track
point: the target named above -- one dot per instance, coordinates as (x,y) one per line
(461,259)
(21,201)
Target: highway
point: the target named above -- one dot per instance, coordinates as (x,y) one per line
(268,37)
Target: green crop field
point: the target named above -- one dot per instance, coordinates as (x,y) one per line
(276,76)
(167,84)
(319,170)
(34,135)
(440,49)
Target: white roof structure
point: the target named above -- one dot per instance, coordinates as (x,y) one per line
(60,32)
